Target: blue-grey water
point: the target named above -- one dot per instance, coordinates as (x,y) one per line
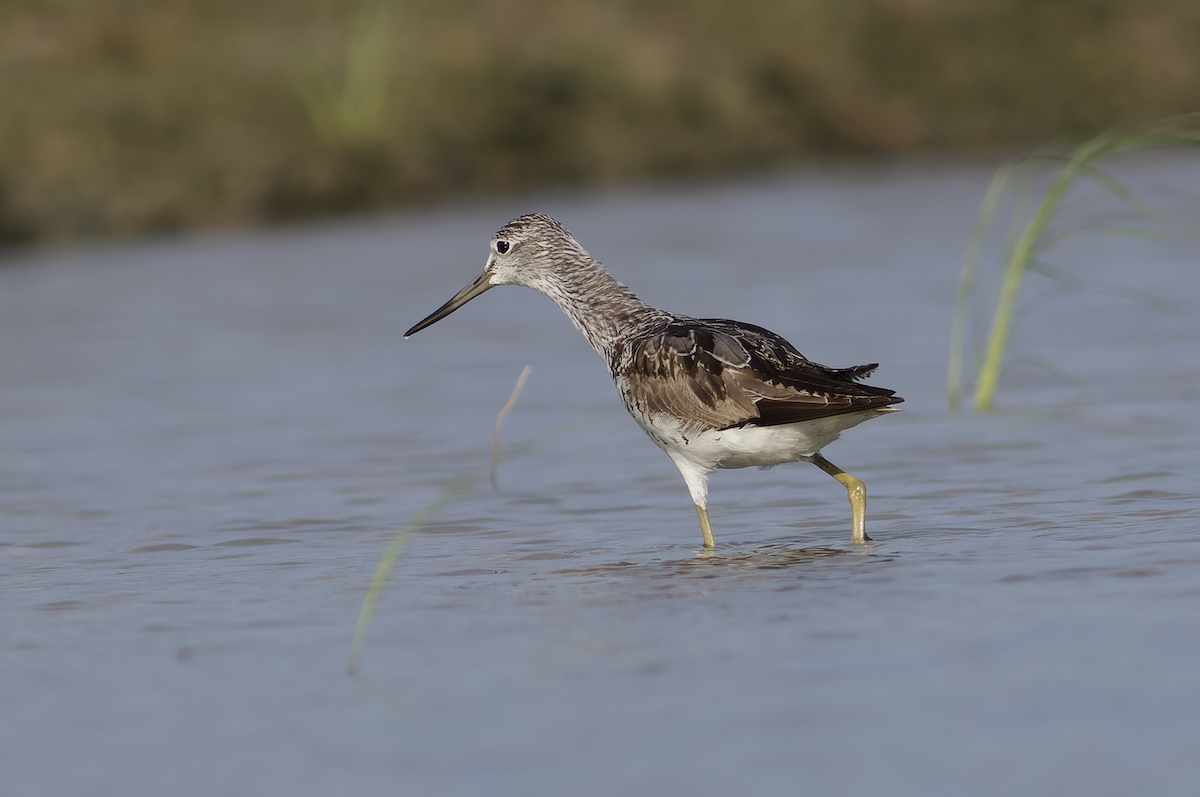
(207,443)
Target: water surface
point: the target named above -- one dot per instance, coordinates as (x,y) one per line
(208,442)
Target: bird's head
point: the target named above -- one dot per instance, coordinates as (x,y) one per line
(530,250)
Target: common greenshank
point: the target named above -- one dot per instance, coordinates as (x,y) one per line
(711,393)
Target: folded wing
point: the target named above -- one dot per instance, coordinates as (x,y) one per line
(721,374)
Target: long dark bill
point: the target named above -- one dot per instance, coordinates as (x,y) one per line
(477,286)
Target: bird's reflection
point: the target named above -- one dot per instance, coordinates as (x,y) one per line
(708,564)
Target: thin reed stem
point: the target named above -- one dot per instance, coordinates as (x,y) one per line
(395,548)
(1029,235)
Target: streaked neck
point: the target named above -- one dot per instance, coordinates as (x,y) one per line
(604,310)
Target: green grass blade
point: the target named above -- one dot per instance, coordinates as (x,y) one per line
(387,563)
(391,555)
(1023,250)
(349,109)
(1030,234)
(966,282)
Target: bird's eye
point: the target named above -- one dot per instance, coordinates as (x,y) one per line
(501,246)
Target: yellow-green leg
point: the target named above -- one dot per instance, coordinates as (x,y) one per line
(705,527)
(856,491)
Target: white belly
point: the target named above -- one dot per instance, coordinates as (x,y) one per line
(753,446)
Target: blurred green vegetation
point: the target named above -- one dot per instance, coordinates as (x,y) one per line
(1035,227)
(128,116)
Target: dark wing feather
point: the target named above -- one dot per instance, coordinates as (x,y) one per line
(722,374)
